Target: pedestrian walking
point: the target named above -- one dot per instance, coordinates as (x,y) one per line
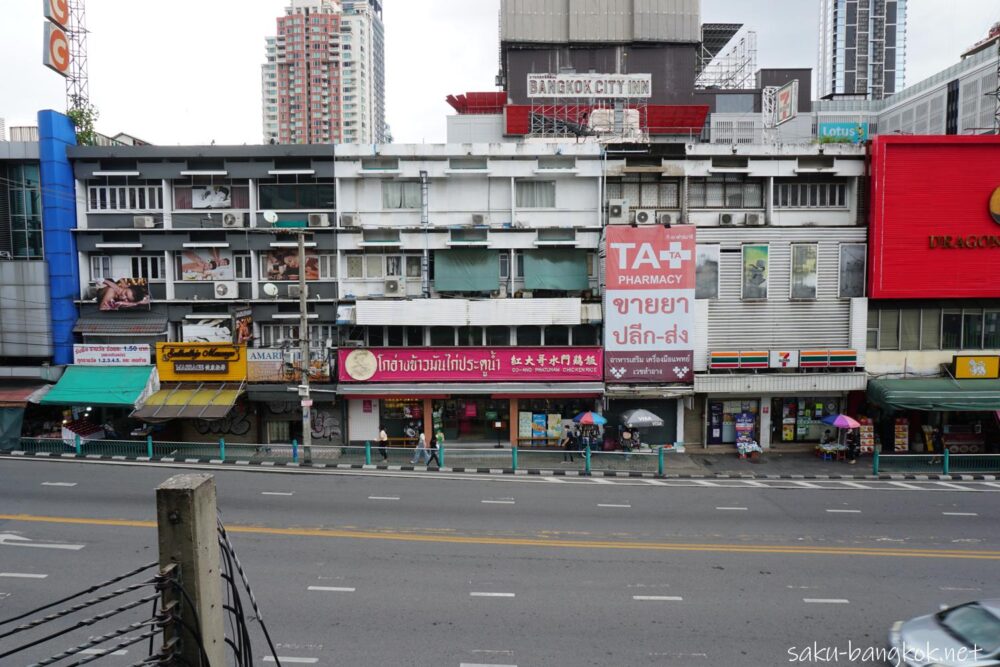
(569,444)
(436,444)
(421,450)
(852,447)
(937,445)
(383,442)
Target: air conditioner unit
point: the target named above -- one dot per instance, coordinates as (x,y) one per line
(232,219)
(227,289)
(480,219)
(726,219)
(295,291)
(349,220)
(395,287)
(644,216)
(618,211)
(318,220)
(754,220)
(665,218)
(144,221)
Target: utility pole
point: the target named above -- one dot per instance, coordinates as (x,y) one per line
(306,363)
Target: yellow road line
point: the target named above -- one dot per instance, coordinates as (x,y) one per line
(332,533)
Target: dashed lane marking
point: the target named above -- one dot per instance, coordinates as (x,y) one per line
(22,575)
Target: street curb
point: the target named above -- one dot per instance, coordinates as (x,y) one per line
(543,472)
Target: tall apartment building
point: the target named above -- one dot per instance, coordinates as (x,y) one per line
(862,48)
(324,76)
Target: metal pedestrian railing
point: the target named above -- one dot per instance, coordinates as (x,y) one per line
(945,463)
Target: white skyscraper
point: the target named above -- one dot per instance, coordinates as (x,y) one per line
(862,48)
(323,79)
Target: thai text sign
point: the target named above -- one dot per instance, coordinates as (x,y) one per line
(460,364)
(212,362)
(649,304)
(111,355)
(606,86)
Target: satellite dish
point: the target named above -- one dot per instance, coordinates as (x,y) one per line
(270,289)
(270,217)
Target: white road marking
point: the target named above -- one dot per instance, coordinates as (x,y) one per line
(482,664)
(965,590)
(383,497)
(658,598)
(826,600)
(22,575)
(704,482)
(904,485)
(732,509)
(613,505)
(654,482)
(557,480)
(481,594)
(12,540)
(497,502)
(856,485)
(101,651)
(291,661)
(995,485)
(58,483)
(332,589)
(600,480)
(960,513)
(277,493)
(807,485)
(957,487)
(844,511)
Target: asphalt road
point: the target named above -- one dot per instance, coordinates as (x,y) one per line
(381,569)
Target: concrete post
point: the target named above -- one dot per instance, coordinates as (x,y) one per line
(188,537)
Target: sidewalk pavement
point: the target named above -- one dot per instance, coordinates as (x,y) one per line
(695,461)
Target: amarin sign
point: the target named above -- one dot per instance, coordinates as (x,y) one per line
(605,86)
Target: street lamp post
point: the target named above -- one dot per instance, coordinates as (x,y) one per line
(305,363)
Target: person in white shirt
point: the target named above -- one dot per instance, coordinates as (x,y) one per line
(421,451)
(383,442)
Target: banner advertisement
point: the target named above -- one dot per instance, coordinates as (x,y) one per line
(243,326)
(111,355)
(209,362)
(281,366)
(217,332)
(649,304)
(604,86)
(842,133)
(755,269)
(467,364)
(208,264)
(122,294)
(211,196)
(283,264)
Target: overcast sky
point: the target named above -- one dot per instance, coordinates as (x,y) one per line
(188,71)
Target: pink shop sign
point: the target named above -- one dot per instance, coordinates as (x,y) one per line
(458,364)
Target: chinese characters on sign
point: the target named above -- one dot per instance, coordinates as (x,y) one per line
(517,364)
(649,304)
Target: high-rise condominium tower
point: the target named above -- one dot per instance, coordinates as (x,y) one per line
(324,77)
(862,48)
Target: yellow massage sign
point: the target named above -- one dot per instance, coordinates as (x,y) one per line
(204,362)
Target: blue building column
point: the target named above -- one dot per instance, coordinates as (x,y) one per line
(55,134)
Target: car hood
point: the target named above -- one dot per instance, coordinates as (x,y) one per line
(924,634)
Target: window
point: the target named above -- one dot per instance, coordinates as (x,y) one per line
(327,267)
(393,266)
(755,271)
(951,329)
(394,336)
(376,336)
(413,263)
(20,183)
(888,330)
(470,336)
(586,334)
(400,194)
(297,196)
(373,266)
(852,270)
(707,272)
(242,269)
(872,342)
(725,191)
(529,335)
(972,330)
(810,195)
(804,270)
(991,330)
(125,197)
(930,329)
(443,336)
(536,194)
(646,191)
(556,336)
(356,266)
(274,335)
(414,336)
(497,336)
(100,268)
(149,267)
(909,329)
(504,265)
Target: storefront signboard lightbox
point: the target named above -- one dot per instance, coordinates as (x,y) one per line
(649,304)
(277,365)
(185,362)
(471,364)
(111,355)
(976,367)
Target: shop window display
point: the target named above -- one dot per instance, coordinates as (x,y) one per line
(801,418)
(403,418)
(472,418)
(541,422)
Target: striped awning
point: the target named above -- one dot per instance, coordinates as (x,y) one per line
(190,400)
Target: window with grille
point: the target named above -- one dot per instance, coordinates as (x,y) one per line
(149,267)
(100,268)
(125,198)
(810,195)
(242,268)
(726,191)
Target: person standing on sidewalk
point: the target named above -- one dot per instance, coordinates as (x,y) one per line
(421,451)
(569,444)
(435,446)
(383,442)
(852,447)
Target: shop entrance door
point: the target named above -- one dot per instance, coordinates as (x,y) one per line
(728,420)
(473,419)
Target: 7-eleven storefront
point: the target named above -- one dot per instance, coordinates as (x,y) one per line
(521,396)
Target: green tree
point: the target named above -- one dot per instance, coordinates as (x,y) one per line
(84,115)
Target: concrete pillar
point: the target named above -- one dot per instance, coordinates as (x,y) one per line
(764,410)
(188,537)
(429,420)
(679,434)
(514,420)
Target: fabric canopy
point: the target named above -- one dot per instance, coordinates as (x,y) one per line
(467,270)
(937,394)
(10,427)
(18,395)
(190,400)
(108,386)
(556,268)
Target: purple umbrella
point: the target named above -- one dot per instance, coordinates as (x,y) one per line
(840,421)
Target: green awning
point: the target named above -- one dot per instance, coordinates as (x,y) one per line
(105,386)
(936,394)
(556,268)
(467,270)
